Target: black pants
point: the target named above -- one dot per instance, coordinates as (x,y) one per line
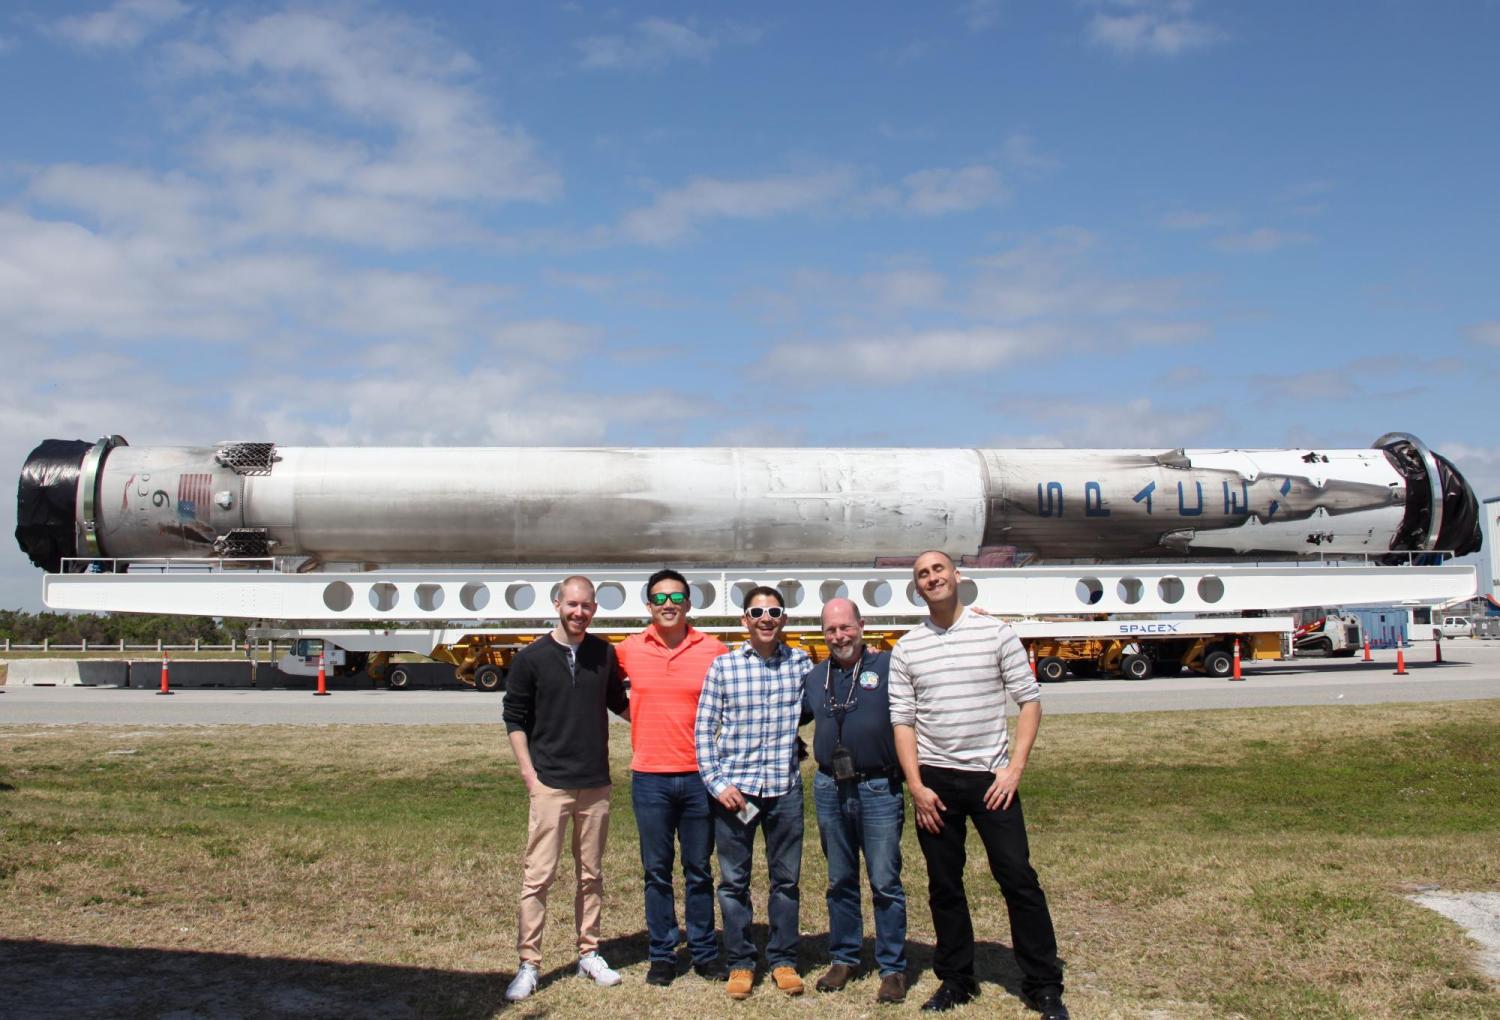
(1004,836)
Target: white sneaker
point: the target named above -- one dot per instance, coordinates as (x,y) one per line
(593,966)
(523,984)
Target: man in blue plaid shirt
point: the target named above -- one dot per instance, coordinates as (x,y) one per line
(746,737)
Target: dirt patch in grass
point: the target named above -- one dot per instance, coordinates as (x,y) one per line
(1218,864)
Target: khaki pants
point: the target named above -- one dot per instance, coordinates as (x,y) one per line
(550,811)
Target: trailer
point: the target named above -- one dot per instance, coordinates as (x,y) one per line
(1138,649)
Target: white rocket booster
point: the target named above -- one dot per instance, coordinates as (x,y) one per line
(519,506)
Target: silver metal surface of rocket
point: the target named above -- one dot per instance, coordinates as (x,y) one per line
(405,506)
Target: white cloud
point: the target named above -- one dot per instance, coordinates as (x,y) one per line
(122,25)
(1116,424)
(1151,27)
(127,201)
(871,358)
(369,131)
(1484,333)
(906,133)
(939,191)
(550,337)
(980,15)
(59,279)
(1041,299)
(1051,276)
(909,52)
(1197,219)
(1020,151)
(1370,380)
(393,72)
(1163,333)
(284,155)
(651,43)
(594,284)
(905,288)
(1480,465)
(675,214)
(1260,241)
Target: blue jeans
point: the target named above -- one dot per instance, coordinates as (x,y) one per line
(863,817)
(781,820)
(669,804)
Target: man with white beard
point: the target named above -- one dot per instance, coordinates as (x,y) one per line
(858,794)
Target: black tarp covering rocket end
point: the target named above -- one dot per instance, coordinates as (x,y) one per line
(47,502)
(1460,531)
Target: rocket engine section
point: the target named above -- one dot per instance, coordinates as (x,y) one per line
(818,507)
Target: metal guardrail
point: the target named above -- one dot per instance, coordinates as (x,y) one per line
(7,645)
(174,565)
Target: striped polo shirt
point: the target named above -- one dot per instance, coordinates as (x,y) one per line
(950,685)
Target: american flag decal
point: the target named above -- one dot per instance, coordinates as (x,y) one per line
(193,494)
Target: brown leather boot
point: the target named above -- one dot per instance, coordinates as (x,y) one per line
(892,989)
(835,978)
(740,982)
(787,980)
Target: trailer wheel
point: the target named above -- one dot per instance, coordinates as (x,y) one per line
(397,678)
(489,678)
(1136,667)
(1051,669)
(1218,663)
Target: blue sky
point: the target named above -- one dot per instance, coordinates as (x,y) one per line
(1141,223)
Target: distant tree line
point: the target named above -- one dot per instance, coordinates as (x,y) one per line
(111,628)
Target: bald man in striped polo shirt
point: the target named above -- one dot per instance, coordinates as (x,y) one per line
(948,680)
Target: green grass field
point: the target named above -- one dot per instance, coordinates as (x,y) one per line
(1211,864)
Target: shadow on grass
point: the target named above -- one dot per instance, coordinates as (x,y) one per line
(619,952)
(994,963)
(47,980)
(44,980)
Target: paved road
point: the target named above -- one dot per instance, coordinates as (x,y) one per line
(1472,671)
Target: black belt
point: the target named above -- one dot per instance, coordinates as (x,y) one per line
(893,773)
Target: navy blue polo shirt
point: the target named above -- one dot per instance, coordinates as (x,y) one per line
(867,724)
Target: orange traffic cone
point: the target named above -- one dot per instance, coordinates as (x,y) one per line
(1237,674)
(1368,657)
(1400,661)
(165,688)
(322,690)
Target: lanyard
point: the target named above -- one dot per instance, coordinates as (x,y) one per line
(839,711)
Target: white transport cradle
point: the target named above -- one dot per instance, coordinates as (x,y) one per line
(260,591)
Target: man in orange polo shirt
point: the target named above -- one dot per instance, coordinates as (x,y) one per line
(665,664)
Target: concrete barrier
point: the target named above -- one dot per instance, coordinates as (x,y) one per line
(42,673)
(193,673)
(186,673)
(103,673)
(424,675)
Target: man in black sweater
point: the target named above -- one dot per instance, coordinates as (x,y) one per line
(557,698)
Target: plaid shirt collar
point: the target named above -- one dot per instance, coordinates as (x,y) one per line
(777,657)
